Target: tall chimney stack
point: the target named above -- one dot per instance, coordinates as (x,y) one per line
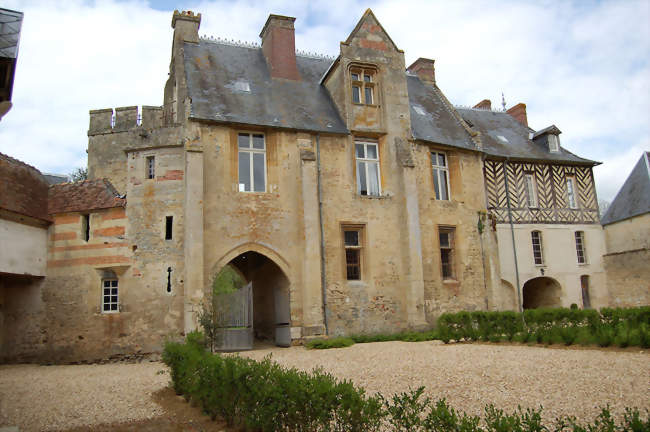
(485,104)
(279,47)
(424,69)
(519,113)
(186,27)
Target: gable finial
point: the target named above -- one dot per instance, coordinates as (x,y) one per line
(503,101)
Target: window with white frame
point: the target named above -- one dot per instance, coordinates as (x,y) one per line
(352,241)
(110,297)
(446,238)
(571,192)
(531,190)
(440,175)
(252,162)
(553,143)
(580,247)
(363,85)
(367,156)
(538,254)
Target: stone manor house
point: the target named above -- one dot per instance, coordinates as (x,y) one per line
(349,193)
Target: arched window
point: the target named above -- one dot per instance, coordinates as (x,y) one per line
(538,254)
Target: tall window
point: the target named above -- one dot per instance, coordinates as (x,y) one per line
(252,162)
(110,301)
(352,239)
(531,190)
(571,192)
(367,154)
(580,247)
(363,86)
(538,255)
(446,236)
(151,167)
(85,226)
(440,175)
(553,145)
(169,224)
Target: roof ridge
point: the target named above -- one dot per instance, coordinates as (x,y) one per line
(18,162)
(256,45)
(467,107)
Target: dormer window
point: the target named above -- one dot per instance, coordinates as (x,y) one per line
(553,143)
(363,86)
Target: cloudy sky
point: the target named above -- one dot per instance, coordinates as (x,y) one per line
(583,65)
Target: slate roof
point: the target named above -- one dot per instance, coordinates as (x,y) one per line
(503,136)
(83,196)
(23,189)
(431,119)
(10,25)
(633,199)
(218,75)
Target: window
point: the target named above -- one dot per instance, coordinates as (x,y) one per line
(446,237)
(109,296)
(352,239)
(531,190)
(580,247)
(571,192)
(537,248)
(169,221)
(151,167)
(440,175)
(85,227)
(252,162)
(553,145)
(367,155)
(363,84)
(584,285)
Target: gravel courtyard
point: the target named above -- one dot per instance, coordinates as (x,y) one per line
(565,381)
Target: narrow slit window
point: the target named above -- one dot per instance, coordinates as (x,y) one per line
(446,238)
(538,255)
(531,190)
(151,167)
(85,227)
(571,192)
(169,223)
(580,247)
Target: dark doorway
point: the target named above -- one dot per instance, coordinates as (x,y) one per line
(541,292)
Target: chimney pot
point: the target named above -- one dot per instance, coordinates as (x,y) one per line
(425,70)
(485,104)
(519,113)
(279,47)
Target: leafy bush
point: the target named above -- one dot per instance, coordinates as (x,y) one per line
(337,342)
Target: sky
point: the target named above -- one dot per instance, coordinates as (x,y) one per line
(583,66)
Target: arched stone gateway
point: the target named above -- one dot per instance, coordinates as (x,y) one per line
(541,292)
(257,308)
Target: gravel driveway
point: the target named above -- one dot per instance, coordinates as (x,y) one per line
(565,381)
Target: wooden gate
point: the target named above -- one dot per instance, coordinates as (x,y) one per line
(234,317)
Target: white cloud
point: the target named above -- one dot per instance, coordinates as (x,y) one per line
(583,66)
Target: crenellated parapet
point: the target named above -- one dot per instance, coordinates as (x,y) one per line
(124,119)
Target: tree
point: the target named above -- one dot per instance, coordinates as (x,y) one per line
(79,174)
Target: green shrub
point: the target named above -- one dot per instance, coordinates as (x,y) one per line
(337,342)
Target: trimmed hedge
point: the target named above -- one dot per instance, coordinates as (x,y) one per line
(264,396)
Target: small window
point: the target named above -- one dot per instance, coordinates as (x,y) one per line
(85,227)
(553,145)
(584,285)
(446,238)
(363,84)
(531,190)
(151,167)
(571,192)
(352,240)
(537,247)
(252,162)
(169,222)
(110,300)
(440,175)
(367,157)
(580,247)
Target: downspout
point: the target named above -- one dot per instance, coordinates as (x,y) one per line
(512,235)
(323,279)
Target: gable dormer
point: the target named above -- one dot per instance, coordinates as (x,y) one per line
(549,138)
(367,81)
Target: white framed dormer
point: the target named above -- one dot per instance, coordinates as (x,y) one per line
(553,143)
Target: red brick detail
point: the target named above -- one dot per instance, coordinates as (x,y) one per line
(115,213)
(108,232)
(519,113)
(66,219)
(376,45)
(88,246)
(425,69)
(64,236)
(171,175)
(279,47)
(101,260)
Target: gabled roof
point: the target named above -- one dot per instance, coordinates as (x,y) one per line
(23,188)
(83,196)
(503,136)
(232,84)
(633,199)
(367,16)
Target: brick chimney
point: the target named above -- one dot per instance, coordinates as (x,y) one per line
(485,104)
(279,47)
(424,69)
(519,113)
(186,27)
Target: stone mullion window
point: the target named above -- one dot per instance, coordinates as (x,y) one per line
(363,86)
